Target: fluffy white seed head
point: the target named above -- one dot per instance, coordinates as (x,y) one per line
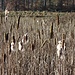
(19,45)
(59,42)
(6,12)
(59,48)
(12,46)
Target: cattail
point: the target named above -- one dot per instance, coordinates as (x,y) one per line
(58,20)
(6,37)
(25,39)
(55,40)
(63,41)
(18,21)
(32,47)
(14,39)
(4,58)
(51,31)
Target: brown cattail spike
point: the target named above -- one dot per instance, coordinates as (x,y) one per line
(63,39)
(18,21)
(57,19)
(51,31)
